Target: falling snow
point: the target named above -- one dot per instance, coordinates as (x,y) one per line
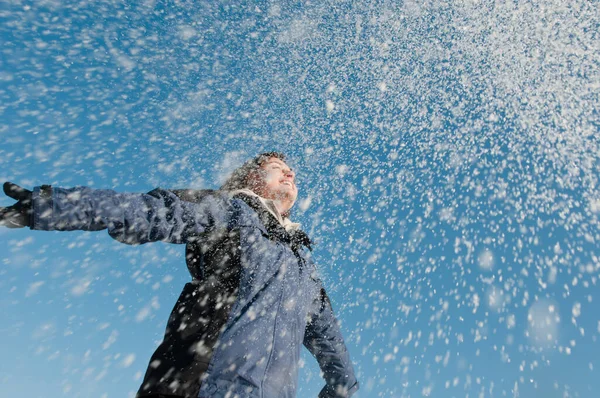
(447,156)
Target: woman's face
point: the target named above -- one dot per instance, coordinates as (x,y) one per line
(275,180)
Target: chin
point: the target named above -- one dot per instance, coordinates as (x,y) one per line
(284,194)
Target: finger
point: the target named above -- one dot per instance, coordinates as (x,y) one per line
(10,218)
(16,192)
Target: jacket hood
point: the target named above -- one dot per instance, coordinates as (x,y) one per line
(288,224)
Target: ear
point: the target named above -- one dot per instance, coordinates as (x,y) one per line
(254,181)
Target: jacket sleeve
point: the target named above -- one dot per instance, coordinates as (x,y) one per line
(324,340)
(131,218)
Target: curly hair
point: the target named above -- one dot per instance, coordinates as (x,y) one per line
(240,177)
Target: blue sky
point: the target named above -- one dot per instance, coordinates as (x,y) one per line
(447,158)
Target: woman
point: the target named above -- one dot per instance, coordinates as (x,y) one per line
(254,299)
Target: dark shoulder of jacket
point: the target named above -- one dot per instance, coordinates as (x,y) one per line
(170,196)
(194,195)
(187,195)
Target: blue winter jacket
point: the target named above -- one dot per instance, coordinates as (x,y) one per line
(255,297)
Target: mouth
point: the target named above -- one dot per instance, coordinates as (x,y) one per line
(287,183)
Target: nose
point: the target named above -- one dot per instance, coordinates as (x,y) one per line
(289,173)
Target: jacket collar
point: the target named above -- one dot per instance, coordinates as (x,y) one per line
(271,208)
(274,222)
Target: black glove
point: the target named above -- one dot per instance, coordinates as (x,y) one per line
(19,214)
